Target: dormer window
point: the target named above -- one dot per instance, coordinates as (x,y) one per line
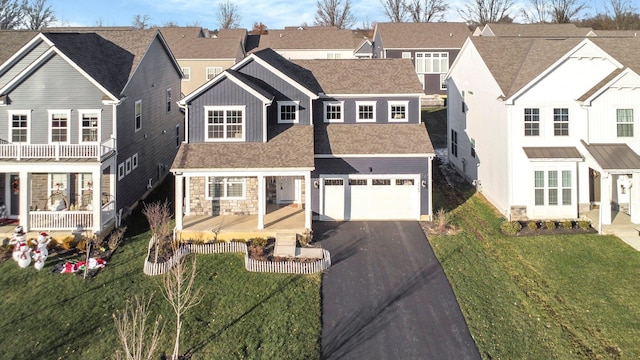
(333,111)
(398,111)
(288,112)
(224,123)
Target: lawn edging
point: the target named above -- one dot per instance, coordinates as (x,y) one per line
(286,266)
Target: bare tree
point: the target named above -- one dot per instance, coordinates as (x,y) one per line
(133,331)
(537,12)
(481,12)
(179,291)
(565,11)
(427,10)
(259,29)
(622,14)
(11,12)
(38,15)
(333,13)
(158,215)
(141,21)
(228,15)
(395,10)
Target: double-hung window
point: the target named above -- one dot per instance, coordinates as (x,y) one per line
(454,143)
(531,122)
(186,72)
(552,187)
(213,71)
(59,126)
(333,111)
(432,62)
(287,112)
(398,111)
(366,111)
(561,122)
(19,126)
(138,115)
(225,187)
(624,122)
(89,122)
(224,123)
(168,99)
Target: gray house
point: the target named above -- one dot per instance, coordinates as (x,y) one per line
(334,139)
(88,125)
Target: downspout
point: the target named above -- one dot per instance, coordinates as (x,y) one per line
(186,121)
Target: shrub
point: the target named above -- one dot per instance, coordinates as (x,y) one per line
(551,225)
(510,227)
(68,242)
(442,220)
(584,224)
(567,224)
(82,245)
(260,242)
(533,225)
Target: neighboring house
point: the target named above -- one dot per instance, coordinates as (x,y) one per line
(202,55)
(340,138)
(549,131)
(431,46)
(88,124)
(533,30)
(319,42)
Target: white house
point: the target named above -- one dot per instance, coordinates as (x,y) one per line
(545,128)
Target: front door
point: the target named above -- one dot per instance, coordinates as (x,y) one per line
(14,195)
(286,190)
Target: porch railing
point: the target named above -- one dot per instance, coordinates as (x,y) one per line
(55,151)
(60,220)
(108,212)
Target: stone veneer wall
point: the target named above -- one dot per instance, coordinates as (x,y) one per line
(199,205)
(518,213)
(39,196)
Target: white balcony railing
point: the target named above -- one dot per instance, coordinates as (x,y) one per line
(69,220)
(108,212)
(55,151)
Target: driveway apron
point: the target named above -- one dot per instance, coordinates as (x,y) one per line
(386,295)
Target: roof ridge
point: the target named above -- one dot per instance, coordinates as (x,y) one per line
(524,58)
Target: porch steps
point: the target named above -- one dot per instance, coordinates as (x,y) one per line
(285,245)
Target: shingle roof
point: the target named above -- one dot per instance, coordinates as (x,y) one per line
(364,76)
(568,152)
(617,33)
(12,41)
(372,139)
(614,156)
(190,43)
(299,74)
(538,30)
(308,38)
(288,147)
(432,35)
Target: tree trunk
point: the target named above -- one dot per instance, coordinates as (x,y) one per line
(176,347)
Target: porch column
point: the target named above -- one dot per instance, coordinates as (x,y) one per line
(96,177)
(634,198)
(605,199)
(307,200)
(262,201)
(179,202)
(24,197)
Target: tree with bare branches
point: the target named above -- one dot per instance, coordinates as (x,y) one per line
(395,10)
(536,12)
(141,21)
(11,14)
(481,12)
(38,15)
(228,15)
(426,10)
(334,13)
(565,11)
(178,289)
(622,14)
(158,215)
(139,338)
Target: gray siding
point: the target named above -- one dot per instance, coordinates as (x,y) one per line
(56,85)
(376,166)
(156,148)
(226,92)
(23,62)
(382,108)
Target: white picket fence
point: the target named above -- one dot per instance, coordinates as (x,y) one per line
(285,266)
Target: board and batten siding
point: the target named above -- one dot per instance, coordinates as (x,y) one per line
(56,86)
(377,166)
(226,93)
(155,142)
(381,108)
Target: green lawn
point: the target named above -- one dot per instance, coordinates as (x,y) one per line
(545,297)
(241,315)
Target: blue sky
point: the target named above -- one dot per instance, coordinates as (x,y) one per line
(274,13)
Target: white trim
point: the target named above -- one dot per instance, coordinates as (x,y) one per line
(297,112)
(127,166)
(10,113)
(390,104)
(134,161)
(50,187)
(337,156)
(224,188)
(50,128)
(332,103)
(121,173)
(242,108)
(242,172)
(98,127)
(135,115)
(377,95)
(365,103)
(184,78)
(217,79)
(214,70)
(27,47)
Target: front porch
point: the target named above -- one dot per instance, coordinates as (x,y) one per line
(621,226)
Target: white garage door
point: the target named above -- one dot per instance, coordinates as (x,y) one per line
(371,198)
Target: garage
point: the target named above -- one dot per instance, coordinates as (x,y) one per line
(379,197)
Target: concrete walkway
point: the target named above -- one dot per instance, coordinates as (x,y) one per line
(621,227)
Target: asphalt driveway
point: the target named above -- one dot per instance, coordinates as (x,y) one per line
(386,295)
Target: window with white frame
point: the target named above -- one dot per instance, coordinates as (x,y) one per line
(624,122)
(333,111)
(406,55)
(178,140)
(226,187)
(186,72)
(58,191)
(86,186)
(432,62)
(454,143)
(398,111)
(334,55)
(443,81)
(531,122)
(168,99)
(224,123)
(213,71)
(138,115)
(287,112)
(89,122)
(59,125)
(561,122)
(366,111)
(19,126)
(127,166)
(121,173)
(134,161)
(552,187)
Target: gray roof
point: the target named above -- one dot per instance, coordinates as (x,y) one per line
(536,30)
(309,38)
(614,156)
(431,35)
(296,72)
(12,41)
(569,152)
(288,147)
(364,76)
(372,139)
